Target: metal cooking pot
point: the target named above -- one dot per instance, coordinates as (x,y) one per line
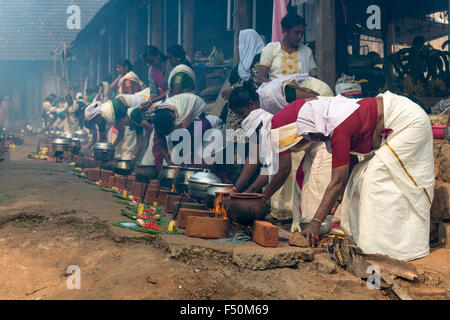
(146,173)
(60,145)
(182,178)
(325,227)
(75,145)
(82,135)
(68,135)
(213,190)
(104,151)
(123,166)
(167,176)
(199,183)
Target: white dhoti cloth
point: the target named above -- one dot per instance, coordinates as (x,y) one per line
(386,208)
(127,146)
(149,159)
(282,202)
(317,170)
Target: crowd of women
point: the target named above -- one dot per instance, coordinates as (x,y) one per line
(368,162)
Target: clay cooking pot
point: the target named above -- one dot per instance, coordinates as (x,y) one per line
(245,208)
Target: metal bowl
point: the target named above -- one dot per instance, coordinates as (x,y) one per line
(60,145)
(213,190)
(75,145)
(199,183)
(123,166)
(167,176)
(146,173)
(82,135)
(104,151)
(68,135)
(182,176)
(325,227)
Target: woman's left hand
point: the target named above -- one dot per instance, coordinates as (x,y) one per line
(312,233)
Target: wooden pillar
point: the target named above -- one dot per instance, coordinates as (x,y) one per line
(188,27)
(448,8)
(241,22)
(133,34)
(326,42)
(149,22)
(157,23)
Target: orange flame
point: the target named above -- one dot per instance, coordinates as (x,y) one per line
(173,188)
(219,206)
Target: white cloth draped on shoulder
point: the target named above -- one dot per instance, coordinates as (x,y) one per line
(182,68)
(271,97)
(388,197)
(250,45)
(187,107)
(323,116)
(250,124)
(132,77)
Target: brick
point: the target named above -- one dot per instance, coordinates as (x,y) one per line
(93,174)
(155,195)
(168,203)
(153,184)
(121,182)
(207,228)
(85,162)
(189,204)
(265,234)
(137,188)
(185,213)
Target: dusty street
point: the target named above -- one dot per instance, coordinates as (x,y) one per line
(50,219)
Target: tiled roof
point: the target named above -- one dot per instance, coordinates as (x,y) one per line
(32,29)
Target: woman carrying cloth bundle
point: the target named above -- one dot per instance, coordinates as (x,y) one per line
(387,196)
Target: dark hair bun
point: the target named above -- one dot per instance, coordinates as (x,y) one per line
(292,20)
(242,96)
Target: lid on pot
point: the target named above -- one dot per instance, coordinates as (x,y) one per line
(204,177)
(247,196)
(61,141)
(171,167)
(104,146)
(68,135)
(124,159)
(221,185)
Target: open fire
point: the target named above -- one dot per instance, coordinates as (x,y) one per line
(219,206)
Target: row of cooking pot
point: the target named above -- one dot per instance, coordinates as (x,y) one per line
(79,134)
(198,183)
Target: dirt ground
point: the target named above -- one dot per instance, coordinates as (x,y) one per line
(51,220)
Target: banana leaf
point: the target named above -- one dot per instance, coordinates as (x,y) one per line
(135,227)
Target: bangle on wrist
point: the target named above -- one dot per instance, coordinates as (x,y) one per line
(317,220)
